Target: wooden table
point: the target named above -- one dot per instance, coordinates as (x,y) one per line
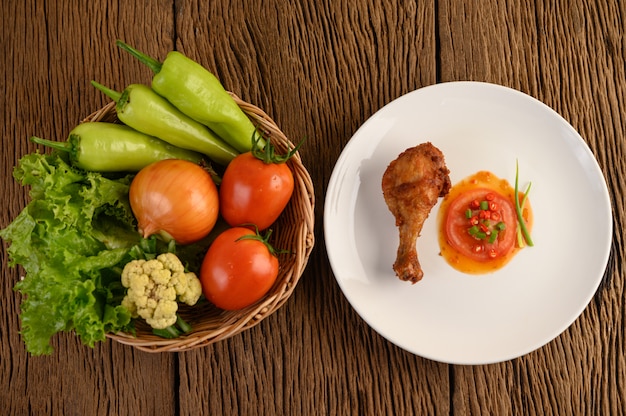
(320,69)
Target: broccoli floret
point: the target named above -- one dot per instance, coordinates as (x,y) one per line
(155,287)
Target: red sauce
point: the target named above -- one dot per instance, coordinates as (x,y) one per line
(475,240)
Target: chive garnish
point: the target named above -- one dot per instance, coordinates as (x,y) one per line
(522,231)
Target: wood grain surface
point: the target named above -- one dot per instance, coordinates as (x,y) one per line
(319,69)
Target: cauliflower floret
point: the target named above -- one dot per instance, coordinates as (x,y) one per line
(187,285)
(171,262)
(193,291)
(154,286)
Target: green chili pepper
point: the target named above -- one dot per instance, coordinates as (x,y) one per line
(139,107)
(199,94)
(110,147)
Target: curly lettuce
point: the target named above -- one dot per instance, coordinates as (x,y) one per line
(71,240)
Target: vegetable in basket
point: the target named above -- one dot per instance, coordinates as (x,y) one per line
(70,240)
(256,187)
(110,147)
(155,287)
(199,94)
(175,199)
(239,268)
(139,107)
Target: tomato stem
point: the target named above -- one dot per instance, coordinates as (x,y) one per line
(265,239)
(267,153)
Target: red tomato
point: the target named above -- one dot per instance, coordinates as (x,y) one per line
(254,192)
(235,274)
(458,225)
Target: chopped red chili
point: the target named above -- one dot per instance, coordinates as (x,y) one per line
(484,220)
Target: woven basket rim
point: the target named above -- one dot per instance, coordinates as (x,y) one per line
(296,226)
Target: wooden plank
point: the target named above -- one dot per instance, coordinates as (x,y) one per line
(588,86)
(51,52)
(319,70)
(490,41)
(571,56)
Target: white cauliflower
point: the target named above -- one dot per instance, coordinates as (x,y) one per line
(155,286)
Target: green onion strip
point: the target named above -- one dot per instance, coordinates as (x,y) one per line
(523,233)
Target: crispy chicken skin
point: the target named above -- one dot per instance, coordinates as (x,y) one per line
(411,186)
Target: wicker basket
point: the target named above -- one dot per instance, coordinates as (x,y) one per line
(293,231)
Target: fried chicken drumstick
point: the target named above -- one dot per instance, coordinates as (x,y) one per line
(411,186)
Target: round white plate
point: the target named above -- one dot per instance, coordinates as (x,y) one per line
(449,316)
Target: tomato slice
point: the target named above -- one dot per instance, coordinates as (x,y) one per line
(469,232)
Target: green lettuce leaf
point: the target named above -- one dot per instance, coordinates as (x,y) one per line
(72,240)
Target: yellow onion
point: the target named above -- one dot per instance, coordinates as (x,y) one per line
(176,199)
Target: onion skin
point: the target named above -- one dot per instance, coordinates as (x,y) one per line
(176,199)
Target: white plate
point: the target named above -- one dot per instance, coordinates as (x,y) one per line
(449,316)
